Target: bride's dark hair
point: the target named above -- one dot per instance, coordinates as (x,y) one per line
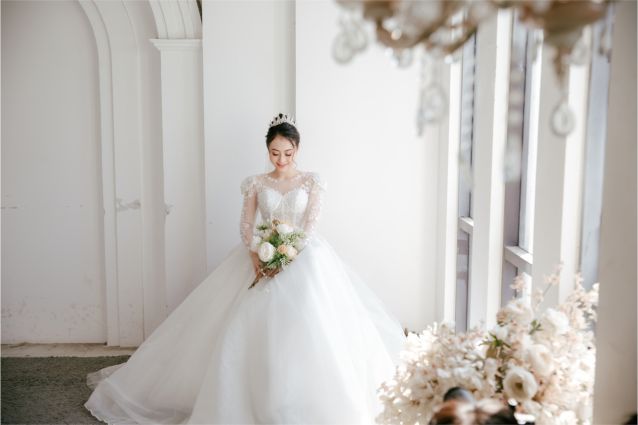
(286,130)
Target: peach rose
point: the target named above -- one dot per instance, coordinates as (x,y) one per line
(282,249)
(292,252)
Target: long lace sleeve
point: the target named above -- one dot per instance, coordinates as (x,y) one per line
(248,210)
(315,200)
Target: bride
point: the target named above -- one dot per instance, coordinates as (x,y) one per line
(308,346)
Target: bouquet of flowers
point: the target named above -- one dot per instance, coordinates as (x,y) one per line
(276,244)
(543,361)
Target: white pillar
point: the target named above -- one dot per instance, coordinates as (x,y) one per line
(447,135)
(491,91)
(615,390)
(183,140)
(559,177)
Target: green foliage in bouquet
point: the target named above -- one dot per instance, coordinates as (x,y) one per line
(282,242)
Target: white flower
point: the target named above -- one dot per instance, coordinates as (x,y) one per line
(541,359)
(552,378)
(265,233)
(519,384)
(443,374)
(584,409)
(464,372)
(284,229)
(588,361)
(518,311)
(254,245)
(266,252)
(523,342)
(567,417)
(500,332)
(554,322)
(531,407)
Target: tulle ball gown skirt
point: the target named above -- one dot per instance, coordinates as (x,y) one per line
(310,346)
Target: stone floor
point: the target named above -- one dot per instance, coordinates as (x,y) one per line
(49,390)
(63,350)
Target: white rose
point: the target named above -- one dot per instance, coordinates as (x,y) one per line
(519,311)
(266,252)
(588,361)
(254,245)
(464,372)
(443,374)
(500,332)
(291,252)
(554,322)
(567,417)
(523,342)
(519,384)
(541,359)
(284,229)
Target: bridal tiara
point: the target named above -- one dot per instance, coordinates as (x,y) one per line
(282,118)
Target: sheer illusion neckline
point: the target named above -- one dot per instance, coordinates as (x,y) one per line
(282,193)
(272,179)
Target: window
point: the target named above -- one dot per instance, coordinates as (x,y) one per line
(547,210)
(518,230)
(465,222)
(520,194)
(595,155)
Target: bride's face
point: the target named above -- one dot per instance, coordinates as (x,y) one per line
(281,153)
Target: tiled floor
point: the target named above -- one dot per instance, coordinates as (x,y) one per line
(63,350)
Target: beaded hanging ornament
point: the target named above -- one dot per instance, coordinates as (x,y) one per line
(282,118)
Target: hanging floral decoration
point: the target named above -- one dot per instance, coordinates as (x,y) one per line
(442,27)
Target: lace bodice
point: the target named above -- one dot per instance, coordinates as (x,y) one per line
(296,201)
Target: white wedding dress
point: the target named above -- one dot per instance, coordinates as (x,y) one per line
(309,346)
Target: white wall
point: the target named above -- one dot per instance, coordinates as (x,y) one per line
(248,77)
(131,174)
(52,274)
(358,130)
(615,390)
(83,211)
(183,160)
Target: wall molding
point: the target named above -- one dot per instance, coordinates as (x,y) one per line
(164,44)
(108,168)
(177,19)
